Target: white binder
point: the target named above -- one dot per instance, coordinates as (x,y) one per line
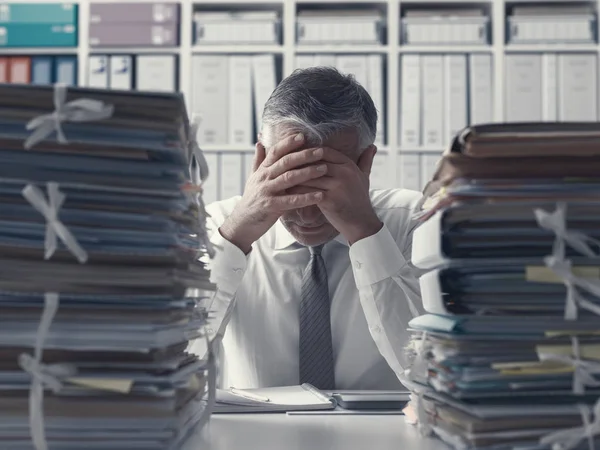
(577,87)
(240,100)
(380,172)
(375,89)
(98,71)
(210,187)
(523,88)
(355,65)
(410,171)
(432,76)
(264,83)
(410,101)
(480,89)
(549,88)
(156,73)
(325,59)
(230,175)
(210,97)
(304,61)
(121,72)
(455,96)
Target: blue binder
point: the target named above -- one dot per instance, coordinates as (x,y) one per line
(41,70)
(66,70)
(54,13)
(38,35)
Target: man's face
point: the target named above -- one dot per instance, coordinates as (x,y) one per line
(308,225)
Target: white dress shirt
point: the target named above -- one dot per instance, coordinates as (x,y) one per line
(373,288)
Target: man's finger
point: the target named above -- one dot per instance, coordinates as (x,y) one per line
(283,147)
(365,162)
(322,183)
(295,177)
(334,156)
(294,201)
(259,156)
(294,160)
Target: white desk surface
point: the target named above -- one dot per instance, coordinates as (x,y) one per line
(310,432)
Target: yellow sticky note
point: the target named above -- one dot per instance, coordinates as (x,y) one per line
(586,351)
(561,333)
(542,274)
(515,365)
(533,368)
(104,384)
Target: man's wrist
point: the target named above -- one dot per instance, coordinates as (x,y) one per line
(230,231)
(363,230)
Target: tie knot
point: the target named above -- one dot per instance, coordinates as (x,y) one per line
(316,250)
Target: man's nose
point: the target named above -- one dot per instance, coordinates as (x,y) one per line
(309,214)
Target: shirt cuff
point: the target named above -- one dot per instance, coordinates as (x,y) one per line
(376,258)
(228,266)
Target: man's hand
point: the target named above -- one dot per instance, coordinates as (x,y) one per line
(346,202)
(264,198)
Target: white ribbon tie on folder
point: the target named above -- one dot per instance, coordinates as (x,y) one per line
(557,262)
(41,374)
(583,370)
(557,222)
(54,227)
(80,110)
(570,438)
(574,301)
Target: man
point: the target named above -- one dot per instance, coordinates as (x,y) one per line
(313,273)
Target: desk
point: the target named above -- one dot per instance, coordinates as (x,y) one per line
(311,432)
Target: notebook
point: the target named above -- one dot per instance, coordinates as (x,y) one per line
(304,397)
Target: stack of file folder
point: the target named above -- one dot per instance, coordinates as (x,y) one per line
(508,354)
(101,235)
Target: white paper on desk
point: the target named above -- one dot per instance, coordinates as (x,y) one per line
(287,398)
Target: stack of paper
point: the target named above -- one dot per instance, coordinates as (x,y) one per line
(340,26)
(100,235)
(239,27)
(554,23)
(508,355)
(456,26)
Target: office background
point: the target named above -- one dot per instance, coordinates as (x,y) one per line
(431,66)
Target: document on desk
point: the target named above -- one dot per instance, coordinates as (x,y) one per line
(274,399)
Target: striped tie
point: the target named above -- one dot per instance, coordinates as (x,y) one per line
(316,350)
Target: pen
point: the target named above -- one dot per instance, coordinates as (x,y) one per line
(249,395)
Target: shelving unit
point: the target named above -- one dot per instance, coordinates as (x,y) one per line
(392,51)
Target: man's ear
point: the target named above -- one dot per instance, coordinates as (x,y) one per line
(365,162)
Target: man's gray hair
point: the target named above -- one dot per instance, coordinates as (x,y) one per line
(320,102)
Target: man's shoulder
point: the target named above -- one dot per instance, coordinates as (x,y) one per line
(396,208)
(394,200)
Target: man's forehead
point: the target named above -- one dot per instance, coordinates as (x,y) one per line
(346,142)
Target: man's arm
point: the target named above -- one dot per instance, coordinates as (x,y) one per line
(389,291)
(387,283)
(227,268)
(235,227)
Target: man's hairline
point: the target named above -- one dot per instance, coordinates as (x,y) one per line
(305,132)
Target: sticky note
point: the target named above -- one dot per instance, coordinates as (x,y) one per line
(542,274)
(104,384)
(586,351)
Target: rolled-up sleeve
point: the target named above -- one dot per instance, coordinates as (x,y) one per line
(389,291)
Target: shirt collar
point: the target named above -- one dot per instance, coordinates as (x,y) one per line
(284,239)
